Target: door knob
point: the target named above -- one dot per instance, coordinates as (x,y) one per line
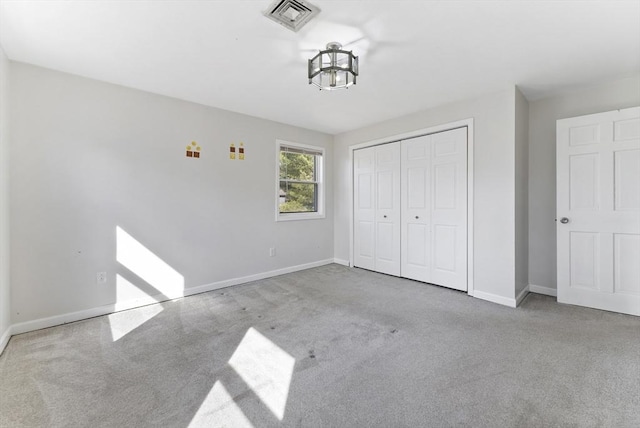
(564,220)
(384,216)
(417,217)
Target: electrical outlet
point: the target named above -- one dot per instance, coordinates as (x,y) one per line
(101,277)
(272,252)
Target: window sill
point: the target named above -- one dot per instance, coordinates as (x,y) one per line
(299,216)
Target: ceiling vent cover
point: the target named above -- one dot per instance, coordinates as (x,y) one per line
(293,14)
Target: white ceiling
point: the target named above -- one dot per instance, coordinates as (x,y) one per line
(413,54)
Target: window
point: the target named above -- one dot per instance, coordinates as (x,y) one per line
(299,181)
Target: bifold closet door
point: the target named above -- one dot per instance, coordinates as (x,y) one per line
(434,208)
(377,208)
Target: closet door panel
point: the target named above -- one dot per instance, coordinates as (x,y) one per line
(449,209)
(387,215)
(364,208)
(416,198)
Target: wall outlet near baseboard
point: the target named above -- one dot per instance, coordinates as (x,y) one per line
(272,252)
(101,277)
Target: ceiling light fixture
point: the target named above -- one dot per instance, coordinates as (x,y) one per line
(333,68)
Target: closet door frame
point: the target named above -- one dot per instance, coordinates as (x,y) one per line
(468,123)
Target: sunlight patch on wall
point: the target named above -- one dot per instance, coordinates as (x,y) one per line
(151,268)
(265,368)
(129,296)
(123,323)
(219,410)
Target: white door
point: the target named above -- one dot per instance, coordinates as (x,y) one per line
(598,210)
(434,208)
(377,208)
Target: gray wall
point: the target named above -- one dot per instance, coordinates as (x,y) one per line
(5,289)
(522,192)
(542,165)
(89,157)
(494,184)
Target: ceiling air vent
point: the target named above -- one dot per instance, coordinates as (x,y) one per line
(293,14)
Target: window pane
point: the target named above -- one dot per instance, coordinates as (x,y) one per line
(296,166)
(298,197)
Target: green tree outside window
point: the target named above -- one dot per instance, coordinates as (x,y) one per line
(298,180)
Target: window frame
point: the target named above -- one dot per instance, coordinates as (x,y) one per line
(320,194)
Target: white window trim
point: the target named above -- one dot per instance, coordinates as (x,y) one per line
(320,178)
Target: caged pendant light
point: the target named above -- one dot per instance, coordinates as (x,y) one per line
(333,68)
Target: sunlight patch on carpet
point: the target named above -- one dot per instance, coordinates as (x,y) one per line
(219,410)
(265,368)
(123,323)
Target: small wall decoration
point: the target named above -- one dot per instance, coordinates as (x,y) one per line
(232,151)
(241,151)
(193,150)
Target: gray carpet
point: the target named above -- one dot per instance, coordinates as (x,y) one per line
(329,347)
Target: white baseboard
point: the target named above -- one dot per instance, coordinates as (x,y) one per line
(4,339)
(547,291)
(520,297)
(341,262)
(505,301)
(38,324)
(242,280)
(41,323)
